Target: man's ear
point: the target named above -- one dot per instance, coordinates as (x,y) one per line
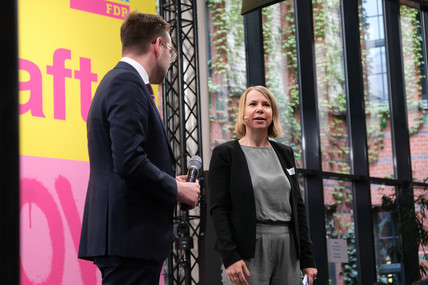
(156,46)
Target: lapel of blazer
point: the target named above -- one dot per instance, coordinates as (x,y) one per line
(241,175)
(152,103)
(284,159)
(286,162)
(242,160)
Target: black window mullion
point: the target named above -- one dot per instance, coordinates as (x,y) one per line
(400,131)
(253,33)
(358,143)
(310,134)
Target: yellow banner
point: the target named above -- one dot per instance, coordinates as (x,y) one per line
(65,49)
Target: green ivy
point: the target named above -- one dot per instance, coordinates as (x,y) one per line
(410,222)
(412,49)
(227,55)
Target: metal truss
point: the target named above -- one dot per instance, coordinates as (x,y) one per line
(181,113)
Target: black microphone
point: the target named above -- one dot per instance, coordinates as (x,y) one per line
(193,167)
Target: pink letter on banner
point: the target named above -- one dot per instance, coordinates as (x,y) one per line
(52,201)
(34,85)
(101,7)
(86,78)
(33,193)
(59,72)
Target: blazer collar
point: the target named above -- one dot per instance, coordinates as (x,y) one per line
(284,159)
(138,67)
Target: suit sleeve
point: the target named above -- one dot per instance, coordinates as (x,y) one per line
(128,115)
(219,184)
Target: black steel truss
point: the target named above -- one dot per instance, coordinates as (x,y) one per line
(181,112)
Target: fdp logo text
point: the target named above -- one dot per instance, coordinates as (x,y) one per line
(117,9)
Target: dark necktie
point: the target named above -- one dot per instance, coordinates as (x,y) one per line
(149,87)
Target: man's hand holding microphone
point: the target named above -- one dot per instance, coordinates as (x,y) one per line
(188,188)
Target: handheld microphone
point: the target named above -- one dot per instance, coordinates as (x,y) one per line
(193,167)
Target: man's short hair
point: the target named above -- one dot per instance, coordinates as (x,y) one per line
(139,31)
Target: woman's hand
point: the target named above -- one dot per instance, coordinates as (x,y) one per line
(236,271)
(312,274)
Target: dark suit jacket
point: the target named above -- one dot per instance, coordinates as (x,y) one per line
(233,207)
(132,188)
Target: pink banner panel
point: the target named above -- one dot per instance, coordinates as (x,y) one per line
(52,200)
(101,7)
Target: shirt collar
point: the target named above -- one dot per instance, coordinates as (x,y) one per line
(140,69)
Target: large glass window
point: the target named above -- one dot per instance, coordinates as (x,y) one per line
(415,84)
(421,209)
(279,42)
(386,236)
(376,89)
(343,268)
(331,86)
(227,81)
(390,222)
(227,78)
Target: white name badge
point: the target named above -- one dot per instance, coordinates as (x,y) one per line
(291,171)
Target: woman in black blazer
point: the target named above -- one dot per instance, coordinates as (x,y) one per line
(256,205)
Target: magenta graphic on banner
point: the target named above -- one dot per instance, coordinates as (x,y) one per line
(101,7)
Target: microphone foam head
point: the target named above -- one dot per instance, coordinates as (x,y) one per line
(195,161)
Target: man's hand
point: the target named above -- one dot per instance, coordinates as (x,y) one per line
(187,192)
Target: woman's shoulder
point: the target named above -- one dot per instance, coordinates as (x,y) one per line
(229,145)
(280,145)
(282,149)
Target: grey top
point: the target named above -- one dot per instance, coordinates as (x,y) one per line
(270,184)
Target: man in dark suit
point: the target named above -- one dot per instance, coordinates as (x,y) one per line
(132,190)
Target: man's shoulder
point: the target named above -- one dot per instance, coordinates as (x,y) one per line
(124,67)
(121,72)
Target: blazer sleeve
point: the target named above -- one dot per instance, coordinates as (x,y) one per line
(219,182)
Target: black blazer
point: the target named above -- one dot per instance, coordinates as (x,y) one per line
(233,207)
(132,189)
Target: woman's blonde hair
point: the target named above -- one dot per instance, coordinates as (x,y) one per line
(275,128)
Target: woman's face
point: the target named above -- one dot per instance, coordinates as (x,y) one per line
(257,112)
